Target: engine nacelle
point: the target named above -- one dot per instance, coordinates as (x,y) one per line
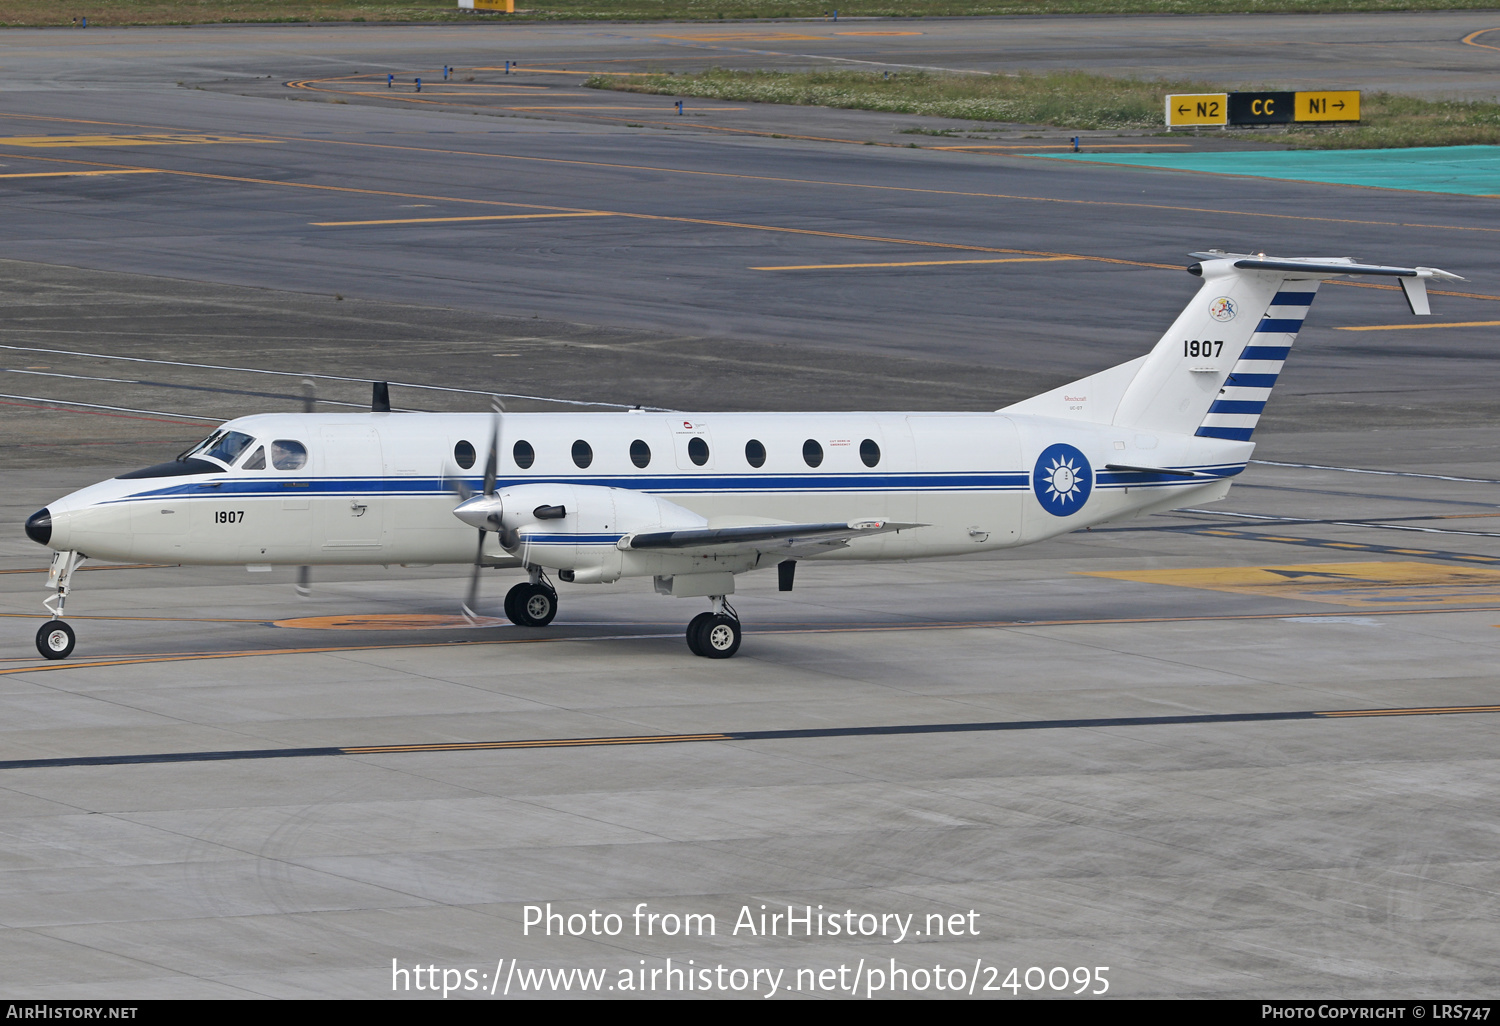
(575,527)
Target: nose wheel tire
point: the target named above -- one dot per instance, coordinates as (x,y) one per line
(55,640)
(531,605)
(716,637)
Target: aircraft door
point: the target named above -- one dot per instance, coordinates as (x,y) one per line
(693,443)
(348,500)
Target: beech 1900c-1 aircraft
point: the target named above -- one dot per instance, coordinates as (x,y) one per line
(693,499)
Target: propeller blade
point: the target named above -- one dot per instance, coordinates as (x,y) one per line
(491,475)
(458,486)
(473,599)
(309,395)
(304,581)
(492,459)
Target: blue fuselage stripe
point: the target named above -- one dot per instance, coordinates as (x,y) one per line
(307,487)
(571,539)
(429,487)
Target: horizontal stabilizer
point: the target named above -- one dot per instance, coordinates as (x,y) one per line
(1323,266)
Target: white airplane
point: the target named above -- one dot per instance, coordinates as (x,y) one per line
(693,499)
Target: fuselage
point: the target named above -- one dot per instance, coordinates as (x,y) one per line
(380,488)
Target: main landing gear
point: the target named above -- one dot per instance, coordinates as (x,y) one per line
(55,639)
(532,603)
(715,634)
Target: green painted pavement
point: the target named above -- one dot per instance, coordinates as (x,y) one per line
(1466,170)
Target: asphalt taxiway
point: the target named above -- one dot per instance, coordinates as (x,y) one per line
(1243,751)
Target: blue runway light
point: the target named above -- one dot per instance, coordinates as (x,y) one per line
(679,108)
(419,85)
(389,79)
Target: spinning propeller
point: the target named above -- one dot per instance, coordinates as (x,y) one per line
(481,510)
(309,405)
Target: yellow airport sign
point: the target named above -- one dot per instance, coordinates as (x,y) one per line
(1185,109)
(508,6)
(1327,105)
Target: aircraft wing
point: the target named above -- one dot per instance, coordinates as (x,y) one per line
(782,539)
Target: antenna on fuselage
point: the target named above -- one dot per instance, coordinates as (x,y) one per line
(380,401)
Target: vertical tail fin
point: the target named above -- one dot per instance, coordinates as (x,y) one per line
(1236,410)
(1214,369)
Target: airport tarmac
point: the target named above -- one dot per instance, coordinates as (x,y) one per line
(1237,752)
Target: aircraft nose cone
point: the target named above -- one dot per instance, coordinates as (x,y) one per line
(39,526)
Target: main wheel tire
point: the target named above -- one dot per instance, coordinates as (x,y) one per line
(720,637)
(512,598)
(695,630)
(55,640)
(535,605)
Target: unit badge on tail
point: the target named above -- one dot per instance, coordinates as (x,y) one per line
(1222,309)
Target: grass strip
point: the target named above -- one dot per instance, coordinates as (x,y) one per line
(1066,99)
(18,13)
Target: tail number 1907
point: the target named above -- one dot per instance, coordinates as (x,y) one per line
(1204,348)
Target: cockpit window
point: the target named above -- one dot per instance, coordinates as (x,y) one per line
(288,455)
(224,446)
(257,460)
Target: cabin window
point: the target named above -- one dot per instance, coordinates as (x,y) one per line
(812,453)
(288,455)
(869,452)
(583,454)
(223,446)
(640,454)
(257,460)
(755,453)
(698,451)
(523,454)
(464,454)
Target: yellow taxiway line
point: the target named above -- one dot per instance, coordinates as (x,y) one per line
(480,217)
(81,174)
(1469,39)
(922,263)
(1418,327)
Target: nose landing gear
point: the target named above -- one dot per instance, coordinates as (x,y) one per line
(55,639)
(715,634)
